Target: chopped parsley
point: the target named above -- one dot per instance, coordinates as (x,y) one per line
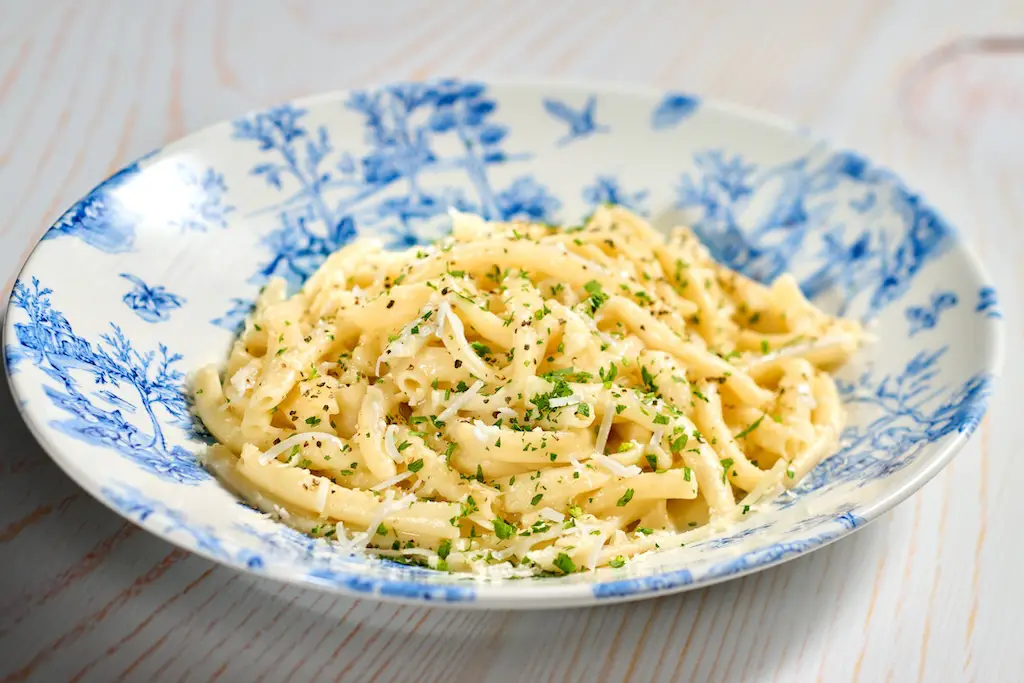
(565,563)
(543,401)
(754,425)
(624,500)
(726,464)
(679,443)
(617,562)
(608,376)
(596,298)
(503,529)
(648,380)
(313,421)
(536,499)
(416,465)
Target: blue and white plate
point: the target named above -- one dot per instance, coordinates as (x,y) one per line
(150,275)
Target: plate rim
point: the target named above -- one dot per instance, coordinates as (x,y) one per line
(530,595)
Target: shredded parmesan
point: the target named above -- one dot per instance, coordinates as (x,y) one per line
(615,467)
(245,379)
(804,390)
(391,481)
(656,436)
(606,427)
(402,345)
(304,438)
(551,515)
(507,412)
(323,488)
(595,552)
(460,400)
(560,401)
(444,309)
(484,433)
(389,443)
(387,506)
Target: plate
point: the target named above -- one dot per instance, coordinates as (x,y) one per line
(169,253)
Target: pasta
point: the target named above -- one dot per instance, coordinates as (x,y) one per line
(520,398)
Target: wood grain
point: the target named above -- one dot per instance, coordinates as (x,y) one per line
(930,592)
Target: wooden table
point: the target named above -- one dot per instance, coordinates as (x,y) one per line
(929,592)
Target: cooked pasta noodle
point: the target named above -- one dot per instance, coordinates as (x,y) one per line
(520,398)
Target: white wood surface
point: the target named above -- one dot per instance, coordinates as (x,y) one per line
(928,593)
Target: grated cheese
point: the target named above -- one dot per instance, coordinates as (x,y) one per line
(606,428)
(595,553)
(560,401)
(656,436)
(615,467)
(484,433)
(389,443)
(460,400)
(245,378)
(323,488)
(444,309)
(551,515)
(391,481)
(274,451)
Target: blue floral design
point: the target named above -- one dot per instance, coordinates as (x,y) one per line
(135,505)
(103,220)
(606,189)
(771,554)
(388,189)
(527,199)
(673,109)
(100,219)
(581,123)
(988,305)
(394,588)
(624,588)
(99,417)
(234,319)
(864,204)
(151,303)
(926,317)
(206,206)
(908,411)
(875,264)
